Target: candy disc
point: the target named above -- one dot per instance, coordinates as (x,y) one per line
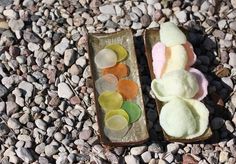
(107,82)
(116,122)
(120,70)
(110,100)
(127,88)
(171,35)
(179,83)
(119,50)
(158,58)
(120,112)
(133,111)
(115,135)
(105,58)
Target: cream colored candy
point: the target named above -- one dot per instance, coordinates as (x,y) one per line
(105,58)
(184,118)
(179,83)
(171,35)
(176,58)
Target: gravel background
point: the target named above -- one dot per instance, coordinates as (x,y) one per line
(43,55)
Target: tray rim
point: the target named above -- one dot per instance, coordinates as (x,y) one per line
(203,137)
(100,135)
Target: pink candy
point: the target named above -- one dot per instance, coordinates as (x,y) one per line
(191,55)
(159,58)
(202,82)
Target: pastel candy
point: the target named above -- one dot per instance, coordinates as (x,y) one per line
(110,100)
(116,122)
(117,112)
(171,35)
(119,50)
(107,82)
(185,118)
(159,58)
(105,58)
(127,88)
(133,110)
(191,55)
(115,135)
(120,70)
(179,83)
(202,82)
(176,58)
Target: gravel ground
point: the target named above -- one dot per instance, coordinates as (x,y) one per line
(43,55)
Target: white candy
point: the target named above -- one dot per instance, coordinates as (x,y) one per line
(179,83)
(105,58)
(171,35)
(184,118)
(107,82)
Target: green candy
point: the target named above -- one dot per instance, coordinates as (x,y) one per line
(133,110)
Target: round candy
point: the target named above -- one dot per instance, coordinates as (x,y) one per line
(133,111)
(191,55)
(158,58)
(115,135)
(127,88)
(171,35)
(105,58)
(116,122)
(107,82)
(186,118)
(176,58)
(178,83)
(120,112)
(120,70)
(119,50)
(202,82)
(110,100)
(177,119)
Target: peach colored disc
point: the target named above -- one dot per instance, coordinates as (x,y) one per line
(202,82)
(119,70)
(191,55)
(159,58)
(127,88)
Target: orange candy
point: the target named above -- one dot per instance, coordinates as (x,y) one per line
(120,70)
(127,88)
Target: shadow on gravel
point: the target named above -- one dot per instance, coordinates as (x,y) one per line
(218,91)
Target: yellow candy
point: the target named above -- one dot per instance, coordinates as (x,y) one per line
(110,100)
(176,58)
(116,122)
(119,50)
(120,112)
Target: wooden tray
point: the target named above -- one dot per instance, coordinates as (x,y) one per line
(138,133)
(151,36)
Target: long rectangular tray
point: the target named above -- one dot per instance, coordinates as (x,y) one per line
(151,36)
(138,133)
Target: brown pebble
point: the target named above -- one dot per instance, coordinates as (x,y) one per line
(75,100)
(188,159)
(222,72)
